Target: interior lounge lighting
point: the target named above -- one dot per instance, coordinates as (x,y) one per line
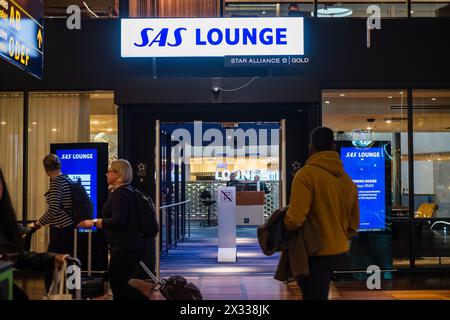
(3,123)
(54,130)
(342,95)
(334,12)
(327,102)
(388,121)
(434,99)
(109,129)
(34,123)
(95,122)
(390,97)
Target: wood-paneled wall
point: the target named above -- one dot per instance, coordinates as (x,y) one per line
(142,8)
(174,8)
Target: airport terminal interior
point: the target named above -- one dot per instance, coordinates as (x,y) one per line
(195,156)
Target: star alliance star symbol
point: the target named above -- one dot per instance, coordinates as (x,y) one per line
(285,60)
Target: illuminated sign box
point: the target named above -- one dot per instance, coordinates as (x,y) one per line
(22,34)
(212,37)
(369,169)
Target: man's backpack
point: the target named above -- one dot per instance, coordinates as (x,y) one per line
(82,207)
(148,225)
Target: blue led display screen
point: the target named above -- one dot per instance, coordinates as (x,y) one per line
(81,164)
(367,168)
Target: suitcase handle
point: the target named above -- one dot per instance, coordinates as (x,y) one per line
(159,284)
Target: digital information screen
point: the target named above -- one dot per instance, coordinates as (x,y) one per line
(81,164)
(22,34)
(366,167)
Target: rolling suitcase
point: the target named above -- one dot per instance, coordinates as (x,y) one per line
(91,286)
(175,287)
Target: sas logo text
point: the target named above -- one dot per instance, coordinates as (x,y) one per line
(214,37)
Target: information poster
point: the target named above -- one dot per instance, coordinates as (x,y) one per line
(81,165)
(367,168)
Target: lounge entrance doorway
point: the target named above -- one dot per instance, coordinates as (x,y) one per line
(196,158)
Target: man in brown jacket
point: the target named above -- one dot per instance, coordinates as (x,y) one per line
(325,194)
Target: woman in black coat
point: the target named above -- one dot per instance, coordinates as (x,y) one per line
(121,225)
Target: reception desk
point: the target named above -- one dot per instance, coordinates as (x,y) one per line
(249,208)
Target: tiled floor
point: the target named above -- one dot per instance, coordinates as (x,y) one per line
(251,277)
(258,287)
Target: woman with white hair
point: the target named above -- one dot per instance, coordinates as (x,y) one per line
(121,225)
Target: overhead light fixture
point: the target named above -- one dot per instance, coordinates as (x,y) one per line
(109,129)
(342,95)
(390,97)
(334,12)
(3,123)
(327,102)
(95,122)
(263,12)
(54,129)
(34,123)
(388,121)
(434,99)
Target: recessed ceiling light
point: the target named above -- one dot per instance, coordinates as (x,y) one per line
(388,121)
(3,123)
(390,97)
(429,160)
(34,123)
(95,122)
(342,95)
(263,12)
(369,128)
(109,129)
(327,102)
(54,129)
(434,99)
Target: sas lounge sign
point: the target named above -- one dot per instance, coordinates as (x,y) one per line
(212,37)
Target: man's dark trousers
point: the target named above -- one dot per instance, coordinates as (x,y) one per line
(316,285)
